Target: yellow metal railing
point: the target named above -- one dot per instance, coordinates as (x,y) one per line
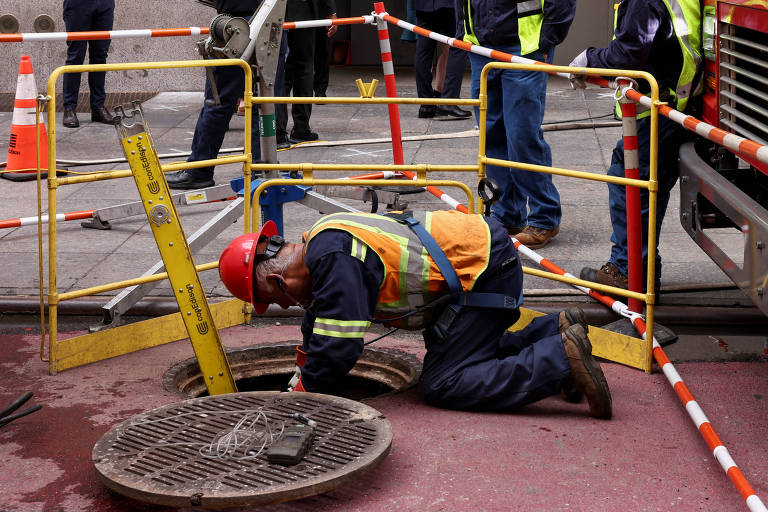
(84,349)
(307,170)
(651,185)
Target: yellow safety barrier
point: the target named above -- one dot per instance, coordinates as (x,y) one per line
(81,351)
(94,347)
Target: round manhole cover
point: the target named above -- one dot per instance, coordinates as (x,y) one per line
(269,367)
(162,456)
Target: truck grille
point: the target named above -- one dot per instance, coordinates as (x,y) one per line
(743,71)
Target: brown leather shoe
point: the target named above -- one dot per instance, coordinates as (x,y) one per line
(535,238)
(608,275)
(586,373)
(571,316)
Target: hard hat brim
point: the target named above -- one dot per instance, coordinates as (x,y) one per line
(268,229)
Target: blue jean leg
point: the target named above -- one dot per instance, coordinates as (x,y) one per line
(671,137)
(516,104)
(213,122)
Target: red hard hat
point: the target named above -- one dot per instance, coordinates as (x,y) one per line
(237,261)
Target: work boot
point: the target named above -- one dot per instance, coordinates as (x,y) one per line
(586,372)
(608,275)
(571,316)
(101,115)
(535,238)
(70,118)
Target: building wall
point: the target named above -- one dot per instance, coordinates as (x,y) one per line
(591,27)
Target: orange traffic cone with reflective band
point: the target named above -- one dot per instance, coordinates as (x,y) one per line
(22,162)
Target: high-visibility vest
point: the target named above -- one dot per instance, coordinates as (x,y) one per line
(411,278)
(686,21)
(530,17)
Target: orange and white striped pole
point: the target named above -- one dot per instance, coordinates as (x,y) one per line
(749,149)
(389,82)
(362,20)
(704,426)
(27,221)
(92,35)
(632,203)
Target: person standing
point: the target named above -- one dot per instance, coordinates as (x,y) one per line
(438,16)
(529,205)
(299,68)
(79,16)
(213,121)
(663,38)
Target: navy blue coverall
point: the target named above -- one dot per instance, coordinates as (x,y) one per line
(480,365)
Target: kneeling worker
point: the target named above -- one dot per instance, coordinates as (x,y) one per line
(454,275)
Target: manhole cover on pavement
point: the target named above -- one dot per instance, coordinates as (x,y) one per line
(156,456)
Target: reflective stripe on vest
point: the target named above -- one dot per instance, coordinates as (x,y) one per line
(411,279)
(686,21)
(530,17)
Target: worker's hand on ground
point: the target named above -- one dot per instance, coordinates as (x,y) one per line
(579,81)
(333,28)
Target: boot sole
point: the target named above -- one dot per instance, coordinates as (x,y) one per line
(598,379)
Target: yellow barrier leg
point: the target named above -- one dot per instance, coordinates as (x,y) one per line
(164,220)
(608,345)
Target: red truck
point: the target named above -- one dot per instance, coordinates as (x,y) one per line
(719,189)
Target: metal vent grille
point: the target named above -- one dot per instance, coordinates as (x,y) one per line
(743,95)
(153,457)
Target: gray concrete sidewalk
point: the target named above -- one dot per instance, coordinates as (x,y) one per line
(89,257)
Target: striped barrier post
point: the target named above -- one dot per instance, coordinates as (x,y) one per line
(749,149)
(92,35)
(28,221)
(389,82)
(703,425)
(364,20)
(632,203)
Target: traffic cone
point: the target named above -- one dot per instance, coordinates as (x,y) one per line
(22,163)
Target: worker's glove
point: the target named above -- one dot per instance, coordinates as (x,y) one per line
(295,383)
(578,81)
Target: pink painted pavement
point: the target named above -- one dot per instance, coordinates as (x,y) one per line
(550,456)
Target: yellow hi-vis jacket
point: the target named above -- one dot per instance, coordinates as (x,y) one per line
(411,278)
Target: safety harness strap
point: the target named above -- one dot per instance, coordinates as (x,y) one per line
(461,298)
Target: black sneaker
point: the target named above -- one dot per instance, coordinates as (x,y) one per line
(183,180)
(297,137)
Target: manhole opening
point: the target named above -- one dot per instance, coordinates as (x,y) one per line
(269,368)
